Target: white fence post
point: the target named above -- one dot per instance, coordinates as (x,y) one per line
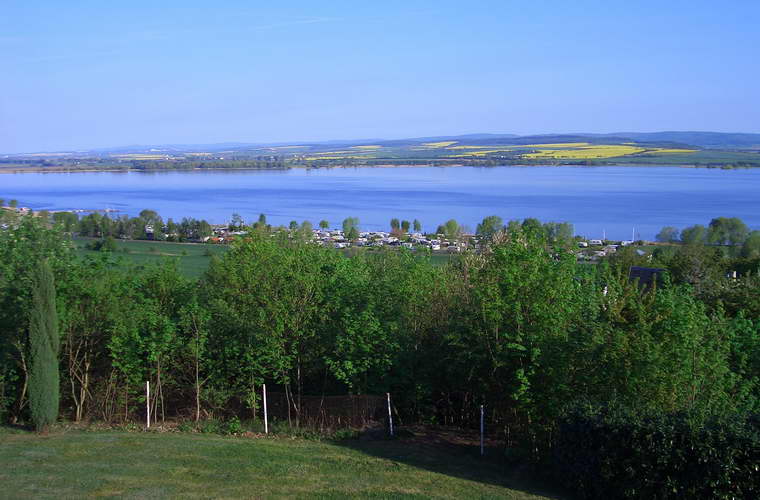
(147,401)
(482,451)
(266,421)
(390,416)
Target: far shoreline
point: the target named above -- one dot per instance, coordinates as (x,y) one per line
(62,170)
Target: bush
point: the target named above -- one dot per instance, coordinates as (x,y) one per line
(609,453)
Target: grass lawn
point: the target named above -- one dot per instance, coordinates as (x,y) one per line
(193,257)
(77,464)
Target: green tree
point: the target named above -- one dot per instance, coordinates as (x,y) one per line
(405,226)
(727,231)
(323,224)
(236,222)
(306,231)
(694,235)
(451,229)
(395,224)
(350,222)
(751,246)
(44,344)
(417,226)
(668,234)
(293,226)
(489,226)
(560,232)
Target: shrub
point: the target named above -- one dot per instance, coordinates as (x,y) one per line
(611,453)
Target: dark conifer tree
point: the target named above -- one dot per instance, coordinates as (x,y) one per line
(43,345)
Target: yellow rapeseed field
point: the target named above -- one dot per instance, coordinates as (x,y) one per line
(366,147)
(585,151)
(441,144)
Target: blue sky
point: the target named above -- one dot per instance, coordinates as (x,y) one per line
(76,75)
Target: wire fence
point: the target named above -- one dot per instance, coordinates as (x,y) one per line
(327,411)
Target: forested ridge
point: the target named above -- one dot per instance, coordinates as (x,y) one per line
(520,327)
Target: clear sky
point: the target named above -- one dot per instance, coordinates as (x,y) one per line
(81,74)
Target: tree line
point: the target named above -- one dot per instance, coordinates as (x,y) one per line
(520,326)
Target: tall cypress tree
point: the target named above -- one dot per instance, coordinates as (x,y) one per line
(44,344)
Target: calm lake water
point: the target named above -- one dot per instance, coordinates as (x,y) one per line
(595,199)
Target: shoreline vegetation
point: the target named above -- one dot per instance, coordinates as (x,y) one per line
(129,169)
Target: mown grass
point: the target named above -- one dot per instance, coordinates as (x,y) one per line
(193,258)
(78,464)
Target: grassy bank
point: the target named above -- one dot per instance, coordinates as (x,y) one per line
(79,464)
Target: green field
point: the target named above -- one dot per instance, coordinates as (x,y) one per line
(78,464)
(193,258)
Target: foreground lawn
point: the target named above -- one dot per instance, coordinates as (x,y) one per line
(146,465)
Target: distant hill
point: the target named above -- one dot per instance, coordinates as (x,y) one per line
(737,143)
(708,140)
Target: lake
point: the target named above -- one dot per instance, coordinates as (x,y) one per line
(598,200)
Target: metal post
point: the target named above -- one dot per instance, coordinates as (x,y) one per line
(266,422)
(390,416)
(147,401)
(482,451)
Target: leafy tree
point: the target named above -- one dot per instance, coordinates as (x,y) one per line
(67,220)
(489,227)
(350,222)
(450,229)
(236,223)
(417,226)
(727,231)
(694,235)
(293,225)
(560,232)
(306,231)
(405,226)
(352,234)
(44,344)
(531,224)
(22,246)
(751,247)
(323,224)
(668,234)
(395,224)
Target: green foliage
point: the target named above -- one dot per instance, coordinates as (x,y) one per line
(694,235)
(727,231)
(489,226)
(668,234)
(44,344)
(519,326)
(350,223)
(618,453)
(751,246)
